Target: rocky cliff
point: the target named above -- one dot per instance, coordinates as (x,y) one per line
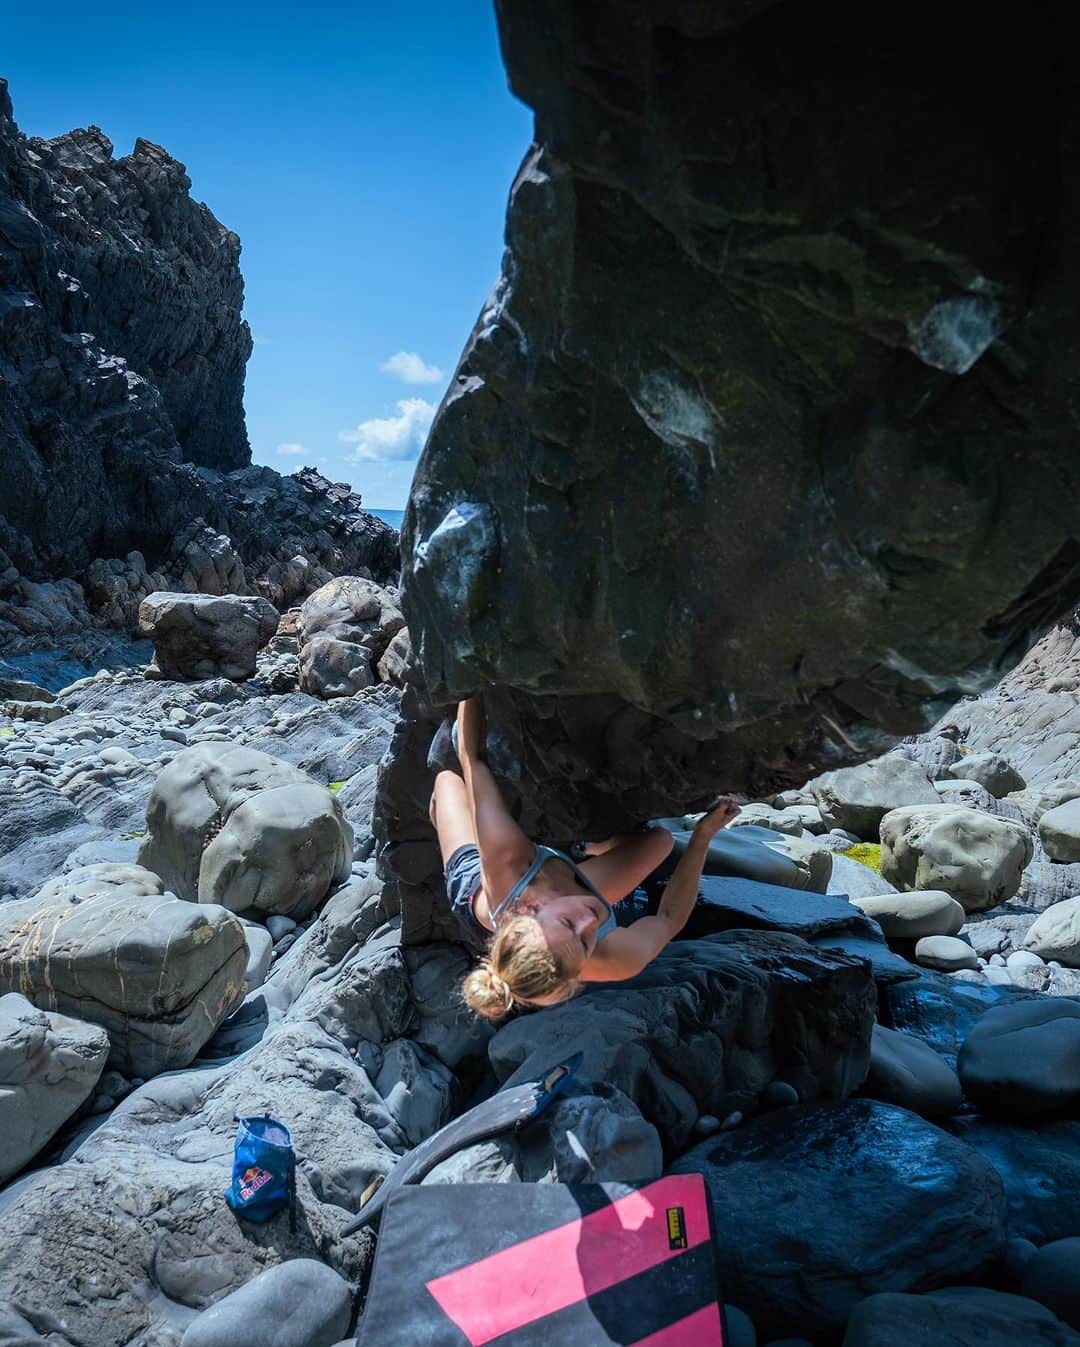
(122,356)
(122,349)
(764,447)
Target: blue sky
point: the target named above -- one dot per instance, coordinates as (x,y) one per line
(363,152)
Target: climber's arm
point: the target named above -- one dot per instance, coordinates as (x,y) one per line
(505,851)
(628,950)
(621,868)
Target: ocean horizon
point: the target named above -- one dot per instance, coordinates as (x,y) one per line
(391,517)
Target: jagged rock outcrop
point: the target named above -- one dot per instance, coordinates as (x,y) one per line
(766,392)
(122,355)
(122,345)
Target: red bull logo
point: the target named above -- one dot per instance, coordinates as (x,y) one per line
(251,1180)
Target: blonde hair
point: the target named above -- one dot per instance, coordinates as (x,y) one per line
(519,968)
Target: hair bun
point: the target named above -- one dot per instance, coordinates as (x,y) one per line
(487,993)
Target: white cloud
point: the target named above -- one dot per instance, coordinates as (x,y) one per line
(411,369)
(291,447)
(256,340)
(392,437)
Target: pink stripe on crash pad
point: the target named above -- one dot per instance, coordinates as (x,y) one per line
(560,1267)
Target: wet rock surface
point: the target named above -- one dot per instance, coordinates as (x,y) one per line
(847,1200)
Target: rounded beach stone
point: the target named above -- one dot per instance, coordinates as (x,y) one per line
(1059,831)
(1055,934)
(906,916)
(857,798)
(962,1316)
(741,1331)
(908,1072)
(976,857)
(945,953)
(1052,1277)
(301,1303)
(1022,1060)
(995,773)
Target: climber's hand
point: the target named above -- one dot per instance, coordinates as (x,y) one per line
(719,816)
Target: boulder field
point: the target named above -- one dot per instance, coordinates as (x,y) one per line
(755,466)
(195,929)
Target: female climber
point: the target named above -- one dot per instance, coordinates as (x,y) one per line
(545,923)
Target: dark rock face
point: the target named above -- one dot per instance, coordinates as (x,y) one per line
(813,1211)
(122,356)
(706,1027)
(121,339)
(778,356)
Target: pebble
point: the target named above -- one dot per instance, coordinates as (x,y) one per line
(740,1328)
(1024,958)
(946,954)
(706,1125)
(279,927)
(1018,1254)
(173,732)
(779,1094)
(731,1121)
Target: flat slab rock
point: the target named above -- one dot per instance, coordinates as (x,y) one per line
(827,920)
(105,945)
(706,1027)
(816,1209)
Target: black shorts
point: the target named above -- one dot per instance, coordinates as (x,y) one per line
(462,883)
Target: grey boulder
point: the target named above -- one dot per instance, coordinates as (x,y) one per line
(1055,933)
(907,1072)
(344,630)
(907,916)
(993,772)
(815,1210)
(973,856)
(301,1303)
(206,635)
(857,798)
(234,826)
(157,974)
(961,1316)
(393,667)
(1059,831)
(49,1065)
(1022,1060)
(946,953)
